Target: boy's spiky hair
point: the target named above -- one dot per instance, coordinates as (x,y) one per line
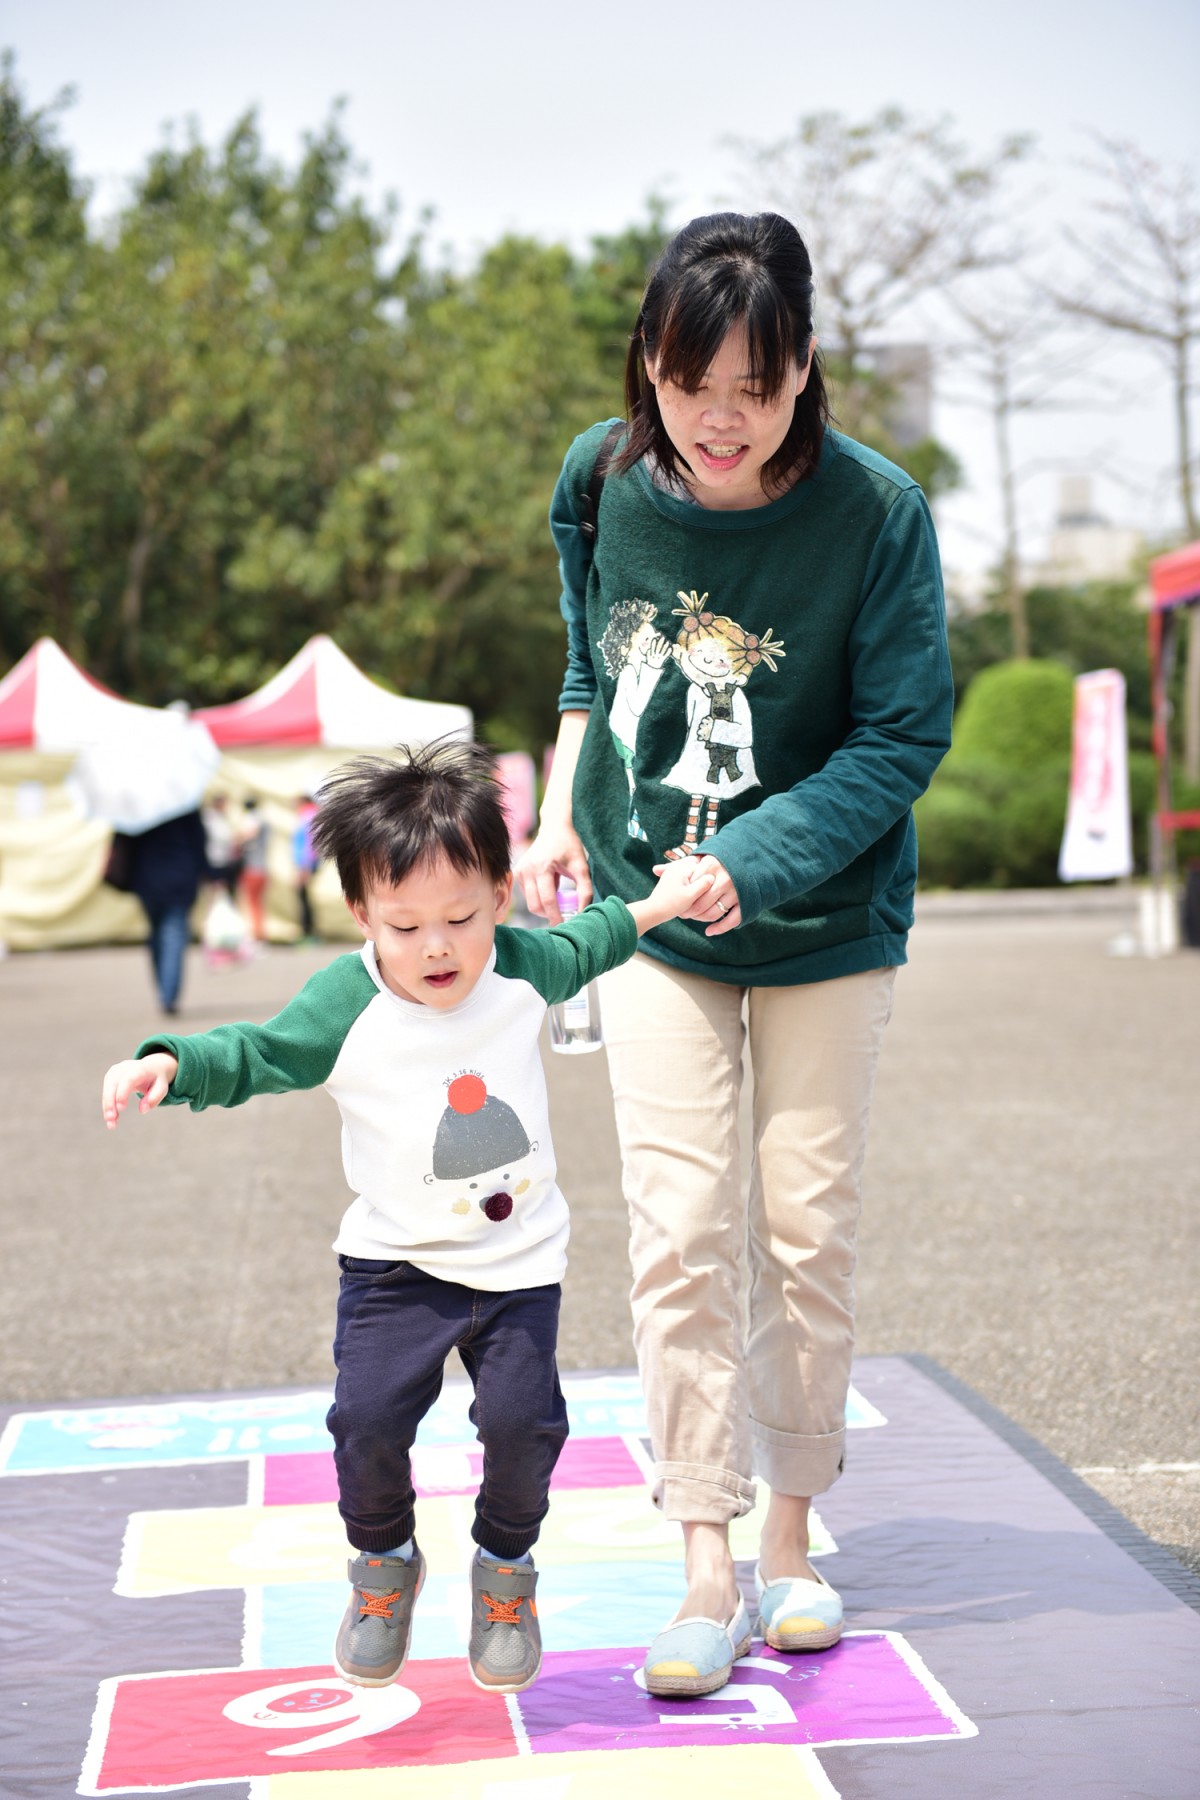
(380,817)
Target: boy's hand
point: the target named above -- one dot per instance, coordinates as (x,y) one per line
(679,891)
(147,1076)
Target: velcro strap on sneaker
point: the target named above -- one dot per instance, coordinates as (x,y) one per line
(505,1582)
(383,1571)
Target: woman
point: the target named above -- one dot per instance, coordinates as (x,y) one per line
(804,707)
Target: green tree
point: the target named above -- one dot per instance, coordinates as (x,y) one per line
(440,542)
(47,443)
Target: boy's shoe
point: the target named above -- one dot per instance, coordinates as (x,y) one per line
(372,1640)
(505,1651)
(696,1656)
(798,1614)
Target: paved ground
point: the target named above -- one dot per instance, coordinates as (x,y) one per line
(1032,1217)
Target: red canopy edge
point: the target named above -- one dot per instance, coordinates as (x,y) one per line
(1175,578)
(291,718)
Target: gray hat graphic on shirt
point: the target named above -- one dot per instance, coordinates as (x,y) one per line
(476,1132)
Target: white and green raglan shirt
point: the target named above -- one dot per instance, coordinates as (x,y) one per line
(445,1119)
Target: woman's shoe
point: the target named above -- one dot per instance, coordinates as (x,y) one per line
(798,1614)
(696,1656)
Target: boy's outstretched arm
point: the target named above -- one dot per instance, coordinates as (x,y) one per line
(676,892)
(147,1076)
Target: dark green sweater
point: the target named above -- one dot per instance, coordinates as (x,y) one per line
(795,704)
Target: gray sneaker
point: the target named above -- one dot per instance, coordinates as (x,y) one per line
(505,1652)
(372,1640)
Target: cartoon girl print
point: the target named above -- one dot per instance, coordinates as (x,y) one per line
(479,1135)
(635,655)
(718,657)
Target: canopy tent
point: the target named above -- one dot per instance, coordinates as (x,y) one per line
(1174,585)
(76,761)
(279,743)
(321,699)
(135,765)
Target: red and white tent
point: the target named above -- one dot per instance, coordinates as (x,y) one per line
(320,698)
(135,765)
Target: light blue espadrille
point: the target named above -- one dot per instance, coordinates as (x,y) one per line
(696,1656)
(798,1614)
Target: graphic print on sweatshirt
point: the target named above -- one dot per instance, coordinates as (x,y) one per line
(635,655)
(478,1149)
(716,657)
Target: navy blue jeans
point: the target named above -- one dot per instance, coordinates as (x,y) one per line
(395,1328)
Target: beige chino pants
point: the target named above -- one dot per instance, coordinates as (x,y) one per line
(743,1307)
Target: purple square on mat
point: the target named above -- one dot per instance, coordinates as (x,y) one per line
(870,1688)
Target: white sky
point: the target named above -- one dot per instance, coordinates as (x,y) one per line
(557,120)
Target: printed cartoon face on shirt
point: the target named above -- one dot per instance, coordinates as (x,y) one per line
(717,656)
(478,1149)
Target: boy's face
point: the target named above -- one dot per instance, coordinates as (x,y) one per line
(433,931)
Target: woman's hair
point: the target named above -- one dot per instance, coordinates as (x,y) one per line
(719,272)
(378,819)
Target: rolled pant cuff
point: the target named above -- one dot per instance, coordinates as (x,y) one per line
(694,1493)
(386,1538)
(792,1464)
(503,1543)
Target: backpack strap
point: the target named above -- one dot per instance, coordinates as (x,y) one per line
(589,502)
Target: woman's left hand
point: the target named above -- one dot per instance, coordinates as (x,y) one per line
(717,908)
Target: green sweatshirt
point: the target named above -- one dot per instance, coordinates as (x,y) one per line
(771,685)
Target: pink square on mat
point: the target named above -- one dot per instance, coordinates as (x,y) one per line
(309,1478)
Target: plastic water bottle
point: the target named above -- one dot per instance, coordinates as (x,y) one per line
(575,1023)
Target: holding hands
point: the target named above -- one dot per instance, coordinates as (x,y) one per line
(715,897)
(149,1077)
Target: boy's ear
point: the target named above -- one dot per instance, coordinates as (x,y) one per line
(358,913)
(504,896)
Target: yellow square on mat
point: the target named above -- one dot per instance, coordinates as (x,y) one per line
(253,1546)
(204,1547)
(620,1525)
(704,1774)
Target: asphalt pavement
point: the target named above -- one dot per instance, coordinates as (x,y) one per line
(1032,1214)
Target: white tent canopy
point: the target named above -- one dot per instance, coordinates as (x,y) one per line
(320,698)
(134,765)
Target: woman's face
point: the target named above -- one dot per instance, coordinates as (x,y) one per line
(726,432)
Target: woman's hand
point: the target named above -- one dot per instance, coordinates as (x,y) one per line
(555,851)
(717,908)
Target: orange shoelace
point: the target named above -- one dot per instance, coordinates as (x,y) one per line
(377,1606)
(502,1612)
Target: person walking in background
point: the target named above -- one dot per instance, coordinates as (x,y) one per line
(167,866)
(252,881)
(804,705)
(304,861)
(220,843)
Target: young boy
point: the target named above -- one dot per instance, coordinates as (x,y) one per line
(427,1039)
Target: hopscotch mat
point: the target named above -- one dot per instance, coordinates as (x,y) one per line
(176,1573)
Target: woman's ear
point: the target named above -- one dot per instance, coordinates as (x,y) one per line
(650,367)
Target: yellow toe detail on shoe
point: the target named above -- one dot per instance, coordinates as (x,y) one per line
(800,1622)
(665,1669)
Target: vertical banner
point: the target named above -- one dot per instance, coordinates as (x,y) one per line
(1096,843)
